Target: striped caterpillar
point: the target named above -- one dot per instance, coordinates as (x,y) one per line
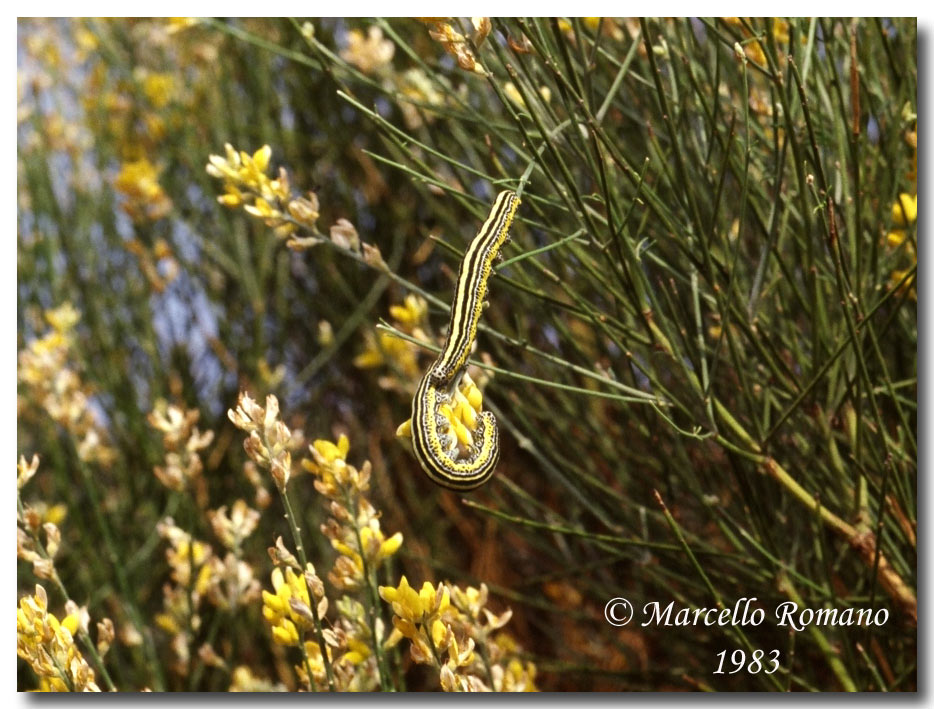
(434,444)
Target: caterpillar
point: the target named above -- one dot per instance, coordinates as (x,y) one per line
(434,445)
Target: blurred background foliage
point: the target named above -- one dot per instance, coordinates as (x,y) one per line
(705,374)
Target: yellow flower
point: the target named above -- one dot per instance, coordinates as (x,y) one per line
(315,662)
(413,606)
(63,318)
(158,89)
(284,620)
(405,429)
(46,513)
(444,627)
(331,451)
(357,653)
(413,313)
(457,425)
(780,30)
(138,181)
(461,414)
(518,677)
(896,277)
(895,238)
(57,388)
(405,600)
(167,622)
(284,633)
(755,53)
(375,546)
(245,177)
(260,161)
(262,208)
(391,545)
(904,214)
(470,599)
(386,347)
(86,41)
(48,645)
(905,210)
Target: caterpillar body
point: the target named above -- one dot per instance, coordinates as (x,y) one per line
(447,464)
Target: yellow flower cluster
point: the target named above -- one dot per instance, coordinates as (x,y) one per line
(412,315)
(191,569)
(461,414)
(385,348)
(287,608)
(158,87)
(355,533)
(451,629)
(182,441)
(247,185)
(48,645)
(448,627)
(354,528)
(30,547)
(142,111)
(49,381)
(138,182)
(904,215)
